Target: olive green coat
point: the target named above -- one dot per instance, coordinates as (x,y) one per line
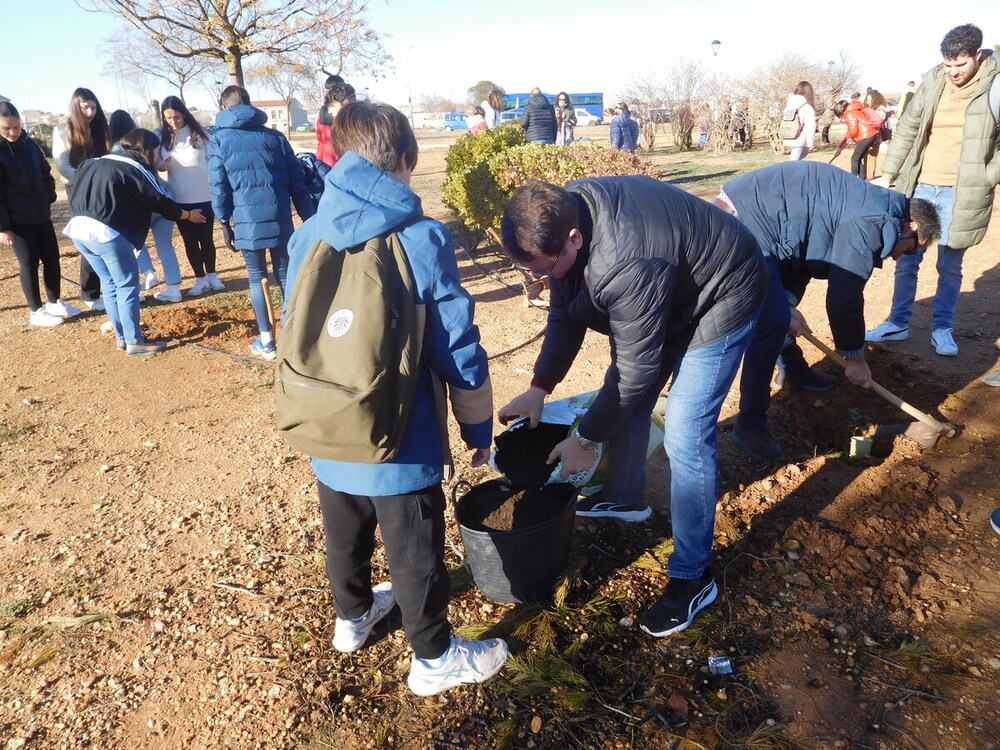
(979,161)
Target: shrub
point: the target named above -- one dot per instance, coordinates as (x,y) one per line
(483,170)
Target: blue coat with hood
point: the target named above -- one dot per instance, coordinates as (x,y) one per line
(820,222)
(360,202)
(253,174)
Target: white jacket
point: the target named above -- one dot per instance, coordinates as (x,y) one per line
(807,116)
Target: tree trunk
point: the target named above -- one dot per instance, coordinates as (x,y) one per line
(234,61)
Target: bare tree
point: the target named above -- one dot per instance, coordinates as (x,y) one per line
(139,62)
(681,90)
(231,30)
(439,104)
(287,80)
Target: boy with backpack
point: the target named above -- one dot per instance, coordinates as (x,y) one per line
(379,453)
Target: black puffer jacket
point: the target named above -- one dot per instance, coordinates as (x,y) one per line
(661,272)
(539,119)
(27,189)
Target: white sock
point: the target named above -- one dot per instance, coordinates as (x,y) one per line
(266,338)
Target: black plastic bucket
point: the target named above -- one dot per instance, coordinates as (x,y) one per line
(522,565)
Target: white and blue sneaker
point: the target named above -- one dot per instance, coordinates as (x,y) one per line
(265,351)
(465,662)
(351,635)
(681,601)
(596,506)
(995,520)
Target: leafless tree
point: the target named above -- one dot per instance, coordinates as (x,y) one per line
(140,63)
(287,80)
(682,90)
(335,31)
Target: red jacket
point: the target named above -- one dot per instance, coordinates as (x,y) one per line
(859,127)
(324,146)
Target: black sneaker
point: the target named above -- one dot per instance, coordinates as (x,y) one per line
(758,444)
(811,381)
(681,601)
(596,506)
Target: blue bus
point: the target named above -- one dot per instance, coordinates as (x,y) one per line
(592,103)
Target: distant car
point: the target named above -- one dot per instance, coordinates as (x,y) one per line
(304,129)
(455,121)
(659,114)
(511,114)
(584,118)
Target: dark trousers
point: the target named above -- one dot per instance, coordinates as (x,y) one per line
(859,159)
(412,527)
(34,244)
(90,282)
(199,242)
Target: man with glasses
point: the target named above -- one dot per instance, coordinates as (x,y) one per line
(814,221)
(675,284)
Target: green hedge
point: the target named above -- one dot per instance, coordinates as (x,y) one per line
(483,170)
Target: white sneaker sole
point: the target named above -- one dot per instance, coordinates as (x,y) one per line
(898,336)
(699,605)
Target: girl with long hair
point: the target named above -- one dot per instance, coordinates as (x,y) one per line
(184,154)
(802,100)
(119,123)
(27,191)
(83,136)
(565,119)
(113,199)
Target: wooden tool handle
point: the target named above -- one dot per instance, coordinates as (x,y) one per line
(892,398)
(266,288)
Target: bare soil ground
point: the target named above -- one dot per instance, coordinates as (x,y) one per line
(161,579)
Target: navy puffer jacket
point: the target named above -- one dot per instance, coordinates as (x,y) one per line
(253,174)
(539,119)
(660,272)
(27,188)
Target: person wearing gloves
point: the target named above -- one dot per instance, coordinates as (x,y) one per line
(801,99)
(814,221)
(367,195)
(254,174)
(112,201)
(676,284)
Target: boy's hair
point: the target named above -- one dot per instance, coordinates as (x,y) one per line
(233,96)
(119,123)
(840,107)
(925,214)
(966,39)
(537,221)
(338,93)
(142,143)
(378,132)
(7,109)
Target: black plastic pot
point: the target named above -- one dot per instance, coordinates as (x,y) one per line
(522,565)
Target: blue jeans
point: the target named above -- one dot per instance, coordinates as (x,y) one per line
(701,379)
(702,140)
(949,268)
(256,262)
(163,231)
(115,264)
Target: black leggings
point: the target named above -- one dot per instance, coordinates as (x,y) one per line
(34,243)
(412,527)
(859,159)
(199,243)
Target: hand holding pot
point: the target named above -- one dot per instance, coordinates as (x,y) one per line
(575,458)
(528,404)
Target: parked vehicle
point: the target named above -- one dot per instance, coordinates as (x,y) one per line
(455,121)
(584,118)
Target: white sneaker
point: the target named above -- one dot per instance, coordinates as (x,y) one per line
(42,317)
(350,635)
(887,332)
(993,379)
(463,663)
(200,287)
(171,294)
(97,305)
(215,282)
(107,328)
(150,281)
(943,342)
(61,310)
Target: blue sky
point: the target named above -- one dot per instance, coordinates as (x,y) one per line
(445,46)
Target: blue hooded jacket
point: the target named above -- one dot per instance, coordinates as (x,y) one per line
(360,202)
(253,173)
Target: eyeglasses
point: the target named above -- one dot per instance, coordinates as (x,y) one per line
(546,272)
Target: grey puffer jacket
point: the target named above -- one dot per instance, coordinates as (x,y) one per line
(539,119)
(979,161)
(661,272)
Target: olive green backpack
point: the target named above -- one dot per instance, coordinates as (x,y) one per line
(349,353)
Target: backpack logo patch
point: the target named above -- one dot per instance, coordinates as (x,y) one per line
(339,323)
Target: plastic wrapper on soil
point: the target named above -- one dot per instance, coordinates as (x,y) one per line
(526,464)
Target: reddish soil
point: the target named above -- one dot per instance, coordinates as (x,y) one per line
(163,587)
